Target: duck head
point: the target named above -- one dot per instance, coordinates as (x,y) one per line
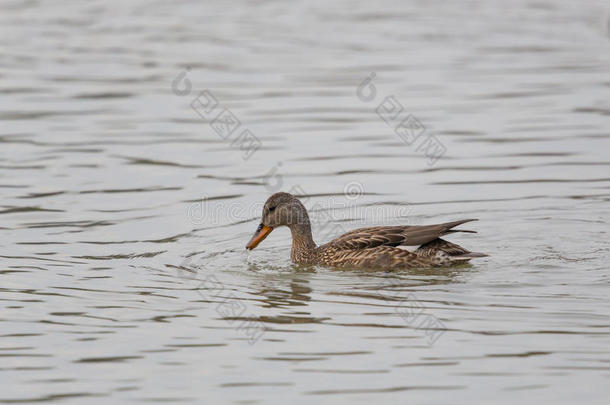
(281,209)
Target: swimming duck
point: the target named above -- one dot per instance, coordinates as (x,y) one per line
(390,247)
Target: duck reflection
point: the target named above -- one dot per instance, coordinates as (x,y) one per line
(285,297)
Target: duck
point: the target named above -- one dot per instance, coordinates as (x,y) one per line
(388,247)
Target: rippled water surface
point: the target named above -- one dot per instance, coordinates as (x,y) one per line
(124,215)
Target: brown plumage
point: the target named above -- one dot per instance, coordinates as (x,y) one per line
(373,247)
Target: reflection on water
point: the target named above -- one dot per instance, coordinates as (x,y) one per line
(125,213)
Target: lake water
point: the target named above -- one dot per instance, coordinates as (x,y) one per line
(126,204)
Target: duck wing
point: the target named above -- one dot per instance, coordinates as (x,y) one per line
(392,236)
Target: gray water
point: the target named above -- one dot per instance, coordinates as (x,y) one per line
(124,213)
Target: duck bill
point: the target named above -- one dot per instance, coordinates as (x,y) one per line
(261,233)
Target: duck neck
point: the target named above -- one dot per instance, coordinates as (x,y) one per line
(302,243)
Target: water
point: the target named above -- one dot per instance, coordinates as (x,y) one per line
(124,215)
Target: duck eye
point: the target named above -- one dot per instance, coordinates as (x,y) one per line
(271,209)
